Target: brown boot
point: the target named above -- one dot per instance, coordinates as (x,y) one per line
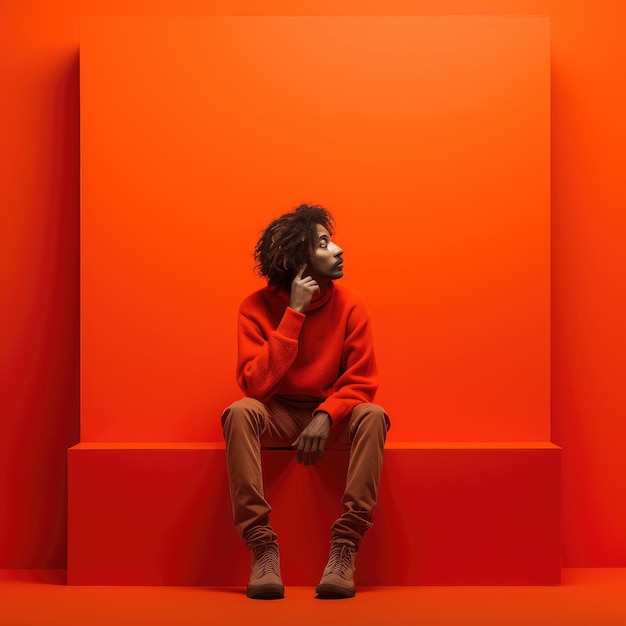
(265,582)
(338,578)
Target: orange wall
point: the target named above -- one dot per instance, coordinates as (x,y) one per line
(39,206)
(439,182)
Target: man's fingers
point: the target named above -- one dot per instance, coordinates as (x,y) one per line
(297,442)
(310,449)
(310,283)
(301,272)
(313,452)
(306,451)
(304,445)
(320,451)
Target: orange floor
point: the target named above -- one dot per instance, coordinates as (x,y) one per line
(589,597)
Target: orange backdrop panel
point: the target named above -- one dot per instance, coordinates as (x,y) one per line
(427,137)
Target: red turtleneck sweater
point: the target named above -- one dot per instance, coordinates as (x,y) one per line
(325,354)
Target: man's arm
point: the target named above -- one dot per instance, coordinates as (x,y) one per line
(263,362)
(357,383)
(358,379)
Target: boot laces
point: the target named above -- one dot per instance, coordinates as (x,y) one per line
(267,560)
(341,558)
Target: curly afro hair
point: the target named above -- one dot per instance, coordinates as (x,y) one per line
(288,243)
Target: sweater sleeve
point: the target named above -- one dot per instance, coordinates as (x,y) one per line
(264,360)
(358,379)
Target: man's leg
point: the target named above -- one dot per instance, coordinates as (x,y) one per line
(247,424)
(366,430)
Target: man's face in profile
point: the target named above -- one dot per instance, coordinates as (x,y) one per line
(326,262)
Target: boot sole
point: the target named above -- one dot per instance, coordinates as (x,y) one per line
(335,592)
(266,592)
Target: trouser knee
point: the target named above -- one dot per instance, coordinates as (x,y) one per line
(371,418)
(242,416)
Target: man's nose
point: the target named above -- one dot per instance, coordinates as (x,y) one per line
(336,250)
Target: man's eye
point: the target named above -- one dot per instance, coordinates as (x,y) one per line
(323,244)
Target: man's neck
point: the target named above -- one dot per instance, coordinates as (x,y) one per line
(324,284)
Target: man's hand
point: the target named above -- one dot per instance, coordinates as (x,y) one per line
(302,290)
(310,443)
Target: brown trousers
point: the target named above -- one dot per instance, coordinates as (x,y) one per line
(249,425)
